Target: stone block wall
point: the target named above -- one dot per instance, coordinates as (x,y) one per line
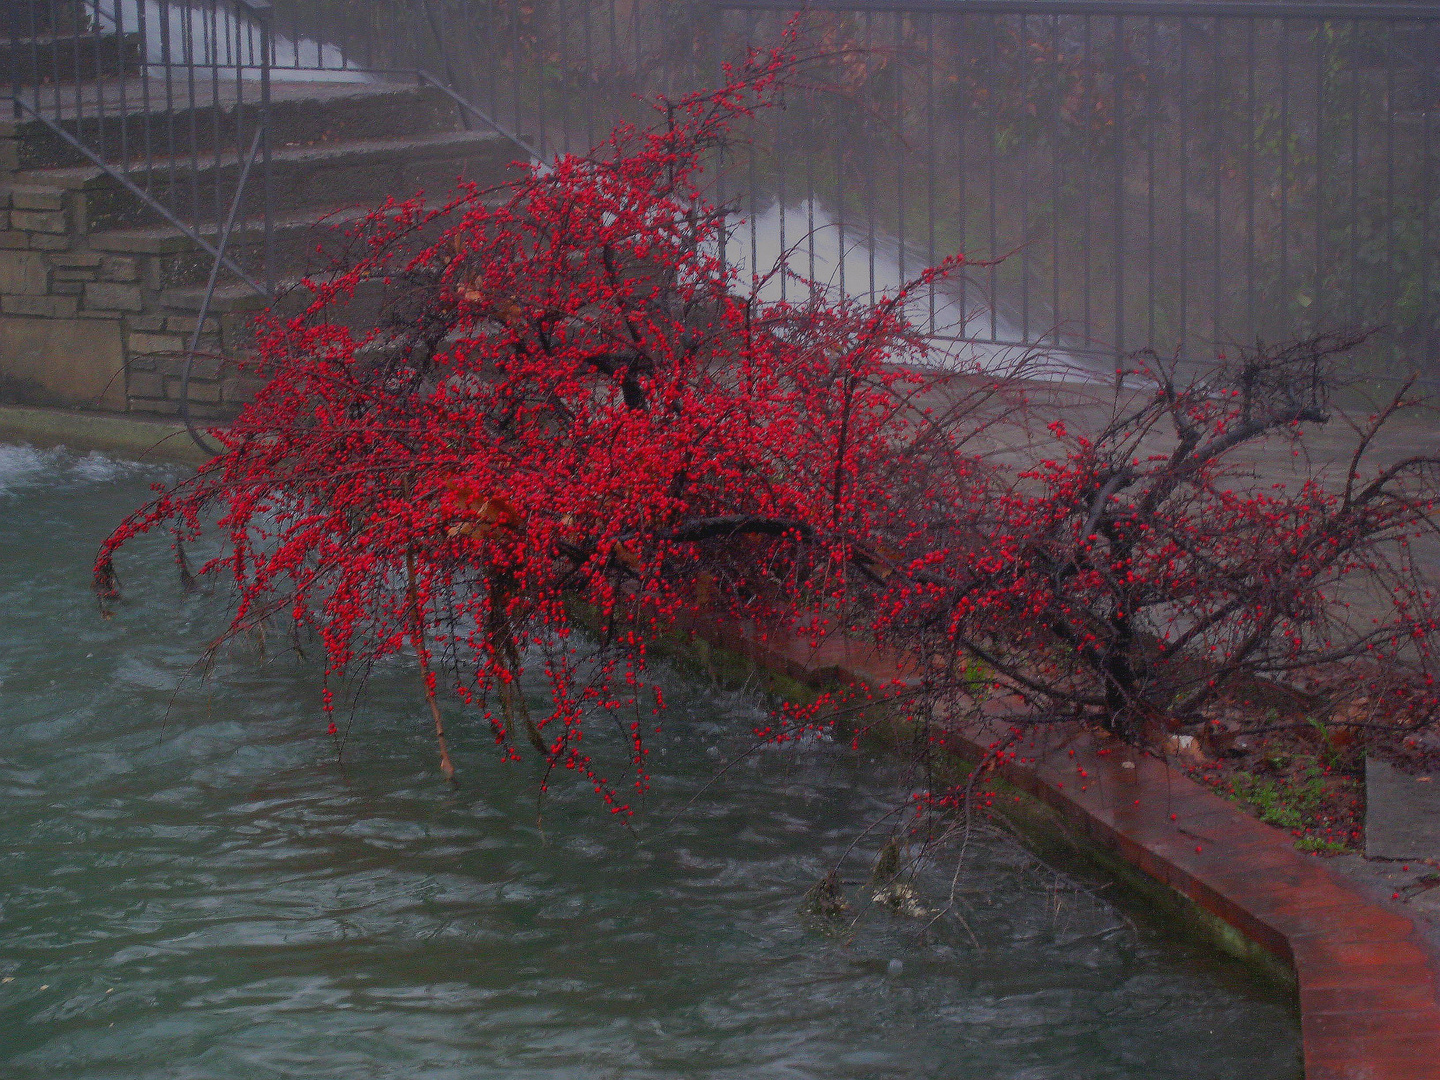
(89,328)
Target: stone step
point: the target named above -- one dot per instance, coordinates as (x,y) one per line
(180,263)
(306,243)
(78,56)
(126,121)
(359,173)
(1402,813)
(234,306)
(291,298)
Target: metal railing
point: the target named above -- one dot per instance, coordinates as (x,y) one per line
(1181,176)
(171,101)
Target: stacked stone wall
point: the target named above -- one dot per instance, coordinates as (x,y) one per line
(86,328)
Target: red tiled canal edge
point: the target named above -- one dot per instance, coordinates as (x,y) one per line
(1367,983)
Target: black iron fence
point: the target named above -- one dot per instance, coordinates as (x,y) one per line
(170,100)
(1178,176)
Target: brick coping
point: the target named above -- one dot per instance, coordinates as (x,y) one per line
(1367,984)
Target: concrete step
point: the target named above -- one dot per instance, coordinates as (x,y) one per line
(1402,813)
(359,173)
(309,242)
(235,305)
(127,121)
(69,57)
(180,262)
(291,297)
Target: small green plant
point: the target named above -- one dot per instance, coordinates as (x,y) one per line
(1277,761)
(1292,802)
(1284,803)
(977,677)
(1321,845)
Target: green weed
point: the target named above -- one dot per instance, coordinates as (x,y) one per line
(1284,803)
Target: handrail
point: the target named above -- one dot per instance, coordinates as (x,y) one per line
(426,77)
(209,293)
(1238,9)
(144,196)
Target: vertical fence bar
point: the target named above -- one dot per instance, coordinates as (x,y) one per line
(187,54)
(962,39)
(1353,218)
(1183,117)
(167,74)
(1282,299)
(992,152)
(492,68)
(1390,300)
(210,57)
(145,109)
(1022,59)
(562,31)
(542,126)
(1217,152)
(781,163)
(1152,119)
(1055,192)
(717,60)
(233,14)
(1317,319)
(751,173)
(55,62)
(870,132)
(808,118)
(930,258)
(75,37)
(1429,310)
(13,24)
(1250,327)
(98,43)
(266,189)
(839,156)
(587,91)
(1120,81)
(122,73)
(900,143)
(1086,172)
(517,45)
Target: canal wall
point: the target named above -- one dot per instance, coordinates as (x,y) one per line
(1366,982)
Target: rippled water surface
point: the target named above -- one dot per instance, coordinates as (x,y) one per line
(193,886)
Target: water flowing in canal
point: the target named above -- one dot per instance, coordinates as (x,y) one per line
(194,887)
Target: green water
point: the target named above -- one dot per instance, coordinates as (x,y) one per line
(191,886)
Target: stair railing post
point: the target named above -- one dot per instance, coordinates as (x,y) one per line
(264,17)
(12,56)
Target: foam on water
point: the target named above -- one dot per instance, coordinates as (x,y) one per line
(809,239)
(26,466)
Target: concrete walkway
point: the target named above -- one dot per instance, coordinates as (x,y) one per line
(1401,864)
